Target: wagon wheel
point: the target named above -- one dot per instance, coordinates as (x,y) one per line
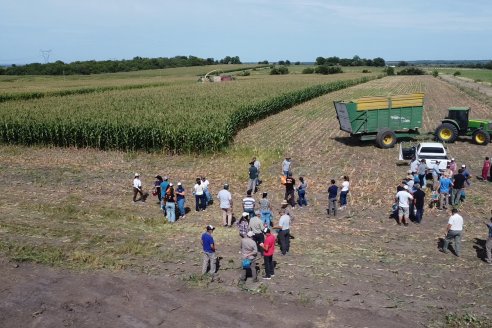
(386,138)
(481,137)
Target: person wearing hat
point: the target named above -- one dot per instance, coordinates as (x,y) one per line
(157,187)
(243,224)
(421,171)
(225,203)
(249,251)
(256,226)
(410,182)
(284,206)
(268,247)
(209,256)
(181,199)
(137,189)
(419,201)
(253,176)
(403,199)
(170,204)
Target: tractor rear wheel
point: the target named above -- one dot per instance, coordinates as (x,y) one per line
(386,138)
(480,137)
(447,132)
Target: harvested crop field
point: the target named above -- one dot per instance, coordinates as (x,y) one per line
(72,209)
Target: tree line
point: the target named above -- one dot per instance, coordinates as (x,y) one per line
(354,61)
(112,66)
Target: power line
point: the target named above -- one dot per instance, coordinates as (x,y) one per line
(46,55)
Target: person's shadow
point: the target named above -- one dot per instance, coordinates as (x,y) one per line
(480,248)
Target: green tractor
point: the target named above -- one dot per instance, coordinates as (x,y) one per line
(457,124)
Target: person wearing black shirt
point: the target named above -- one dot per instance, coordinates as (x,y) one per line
(418,197)
(290,182)
(458,186)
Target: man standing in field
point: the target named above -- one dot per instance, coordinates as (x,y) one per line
(284,233)
(164,186)
(268,249)
(445,184)
(422,170)
(225,203)
(458,186)
(332,198)
(488,243)
(257,165)
(419,197)
(403,198)
(181,198)
(208,245)
(137,189)
(256,226)
(454,230)
(249,204)
(286,166)
(253,176)
(249,250)
(290,183)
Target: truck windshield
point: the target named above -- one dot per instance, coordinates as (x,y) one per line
(433,150)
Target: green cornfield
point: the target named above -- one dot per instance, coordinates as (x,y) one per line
(177,117)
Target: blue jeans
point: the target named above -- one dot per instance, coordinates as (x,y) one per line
(171,211)
(419,214)
(266,218)
(343,198)
(208,196)
(181,206)
(302,197)
(251,212)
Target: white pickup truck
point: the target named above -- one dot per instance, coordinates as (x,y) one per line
(430,151)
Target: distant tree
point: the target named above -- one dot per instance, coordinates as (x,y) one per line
(265,62)
(308,70)
(456,73)
(281,62)
(297,63)
(320,61)
(345,61)
(287,62)
(325,69)
(402,64)
(378,62)
(488,65)
(333,60)
(411,71)
(279,70)
(389,70)
(435,73)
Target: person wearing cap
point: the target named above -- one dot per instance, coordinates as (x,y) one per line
(419,201)
(164,186)
(284,206)
(243,224)
(253,176)
(284,233)
(410,182)
(200,198)
(249,204)
(458,187)
(265,210)
(249,251)
(421,171)
(445,185)
(181,199)
(225,203)
(290,184)
(286,166)
(403,199)
(137,188)
(209,256)
(256,226)
(170,204)
(157,187)
(454,230)
(268,247)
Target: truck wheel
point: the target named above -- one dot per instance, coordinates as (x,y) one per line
(446,132)
(385,138)
(481,137)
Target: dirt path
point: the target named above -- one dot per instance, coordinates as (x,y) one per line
(37,296)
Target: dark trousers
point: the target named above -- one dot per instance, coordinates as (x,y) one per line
(302,197)
(421,179)
(290,198)
(200,202)
(284,240)
(259,238)
(269,267)
(419,214)
(137,191)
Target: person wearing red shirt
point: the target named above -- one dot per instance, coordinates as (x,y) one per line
(268,249)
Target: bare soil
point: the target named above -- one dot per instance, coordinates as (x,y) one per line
(118,263)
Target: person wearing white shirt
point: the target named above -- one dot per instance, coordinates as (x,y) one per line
(344,191)
(137,188)
(205,184)
(454,230)
(225,202)
(284,233)
(200,198)
(257,165)
(403,197)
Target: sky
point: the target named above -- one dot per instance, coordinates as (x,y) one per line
(254,30)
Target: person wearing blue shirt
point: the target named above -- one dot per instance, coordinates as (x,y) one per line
(332,198)
(209,256)
(445,184)
(180,197)
(164,186)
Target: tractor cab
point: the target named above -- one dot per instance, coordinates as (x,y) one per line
(460,116)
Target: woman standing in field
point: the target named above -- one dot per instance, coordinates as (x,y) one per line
(157,187)
(485,169)
(200,200)
(344,192)
(301,192)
